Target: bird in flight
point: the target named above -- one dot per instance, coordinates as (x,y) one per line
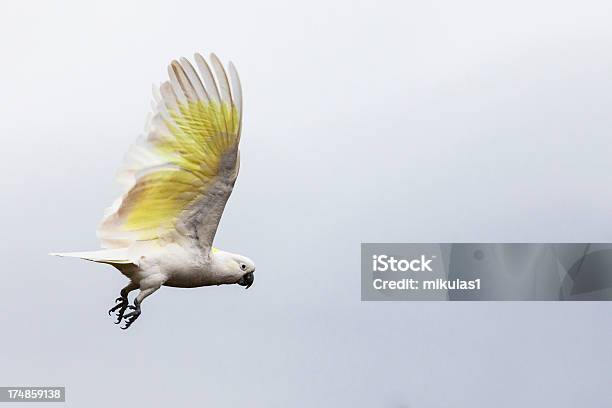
(176,181)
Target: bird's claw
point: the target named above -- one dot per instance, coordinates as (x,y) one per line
(132,316)
(122,304)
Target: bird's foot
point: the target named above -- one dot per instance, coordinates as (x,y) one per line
(132,316)
(120,307)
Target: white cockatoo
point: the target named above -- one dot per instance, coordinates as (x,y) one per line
(177,179)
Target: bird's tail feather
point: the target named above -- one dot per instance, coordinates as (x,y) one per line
(110,256)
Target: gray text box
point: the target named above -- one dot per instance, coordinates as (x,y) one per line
(32,394)
(486,271)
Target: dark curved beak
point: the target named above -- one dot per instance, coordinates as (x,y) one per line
(247,280)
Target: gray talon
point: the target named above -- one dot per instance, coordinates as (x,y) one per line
(121,306)
(132,316)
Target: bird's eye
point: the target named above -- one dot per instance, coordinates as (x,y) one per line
(243,267)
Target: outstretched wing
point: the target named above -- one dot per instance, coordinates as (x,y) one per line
(179,176)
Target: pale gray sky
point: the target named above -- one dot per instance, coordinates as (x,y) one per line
(372,121)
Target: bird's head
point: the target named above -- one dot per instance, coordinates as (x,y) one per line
(246,270)
(233,268)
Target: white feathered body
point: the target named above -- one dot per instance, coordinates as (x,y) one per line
(180,265)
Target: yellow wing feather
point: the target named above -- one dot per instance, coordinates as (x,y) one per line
(181,156)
